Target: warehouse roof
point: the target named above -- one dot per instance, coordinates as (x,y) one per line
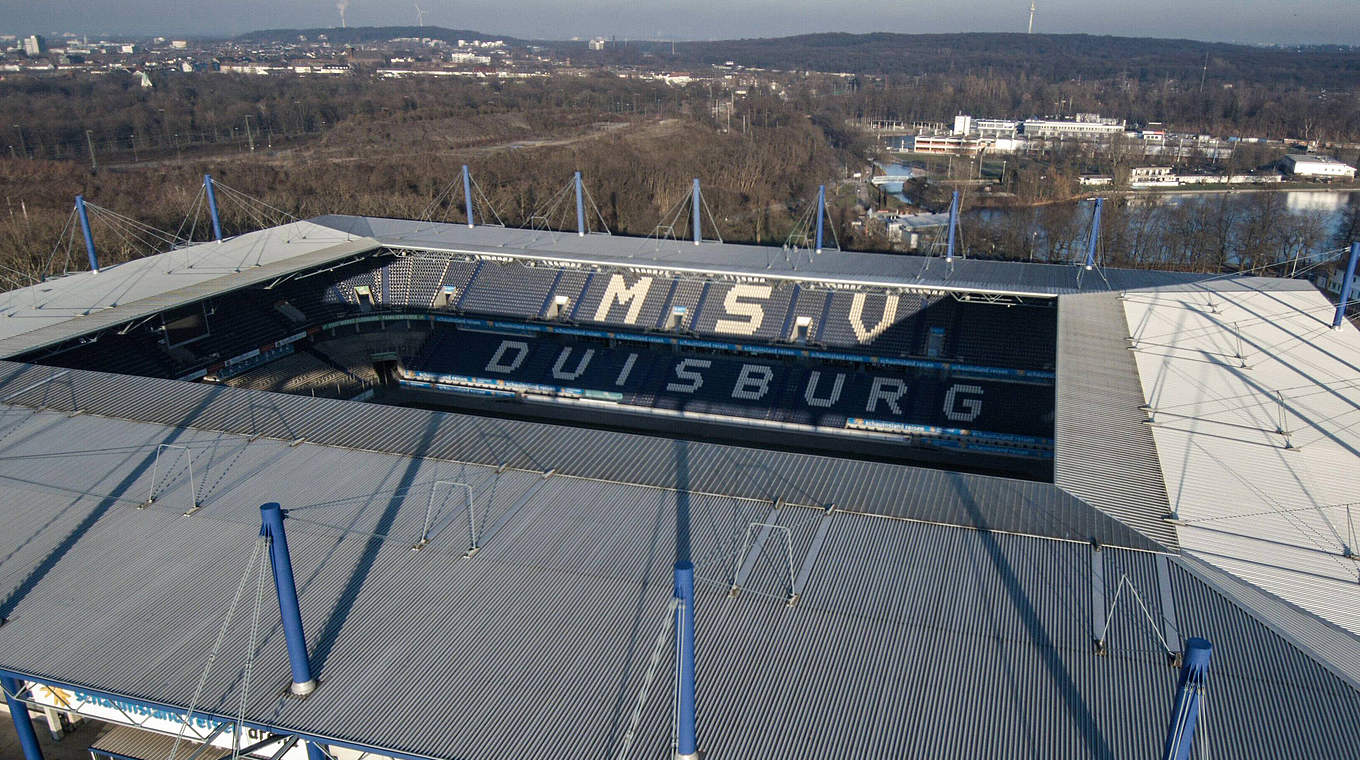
(548,631)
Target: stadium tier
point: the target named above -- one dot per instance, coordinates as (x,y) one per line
(871,320)
(803,393)
(916,367)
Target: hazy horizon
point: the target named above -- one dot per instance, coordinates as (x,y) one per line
(1286,22)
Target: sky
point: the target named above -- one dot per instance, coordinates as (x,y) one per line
(1244,21)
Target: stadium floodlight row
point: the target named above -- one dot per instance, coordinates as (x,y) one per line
(491,584)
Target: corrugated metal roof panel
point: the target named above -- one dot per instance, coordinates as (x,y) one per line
(1103,453)
(909,639)
(877,488)
(1224,373)
(135,744)
(978,275)
(78,304)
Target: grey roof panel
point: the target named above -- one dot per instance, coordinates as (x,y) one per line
(136,744)
(1103,453)
(887,489)
(909,639)
(964,274)
(1326,642)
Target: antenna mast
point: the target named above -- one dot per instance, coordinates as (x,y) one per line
(1031,18)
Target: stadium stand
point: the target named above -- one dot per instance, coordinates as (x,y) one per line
(793,392)
(427,273)
(880,322)
(874,322)
(634,301)
(302,373)
(456,278)
(685,293)
(810,303)
(132,354)
(744,310)
(509,289)
(398,278)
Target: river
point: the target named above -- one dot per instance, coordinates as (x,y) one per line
(1314,216)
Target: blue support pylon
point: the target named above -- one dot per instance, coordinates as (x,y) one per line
(212,207)
(1095,236)
(467,195)
(695,201)
(686,739)
(23,723)
(821,212)
(580,208)
(1180,734)
(271,526)
(953,226)
(1346,287)
(85,230)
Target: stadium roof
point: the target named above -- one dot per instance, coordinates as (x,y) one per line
(74,305)
(77,304)
(970,600)
(909,638)
(1257,431)
(973,275)
(816,482)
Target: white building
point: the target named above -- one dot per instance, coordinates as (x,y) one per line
(1145,173)
(1302,165)
(597,43)
(34,46)
(1085,125)
(967,125)
(469,58)
(947,144)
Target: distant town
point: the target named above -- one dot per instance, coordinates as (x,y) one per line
(973,137)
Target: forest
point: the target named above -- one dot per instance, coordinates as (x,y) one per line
(389,148)
(363,145)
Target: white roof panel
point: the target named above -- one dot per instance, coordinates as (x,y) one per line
(1223,374)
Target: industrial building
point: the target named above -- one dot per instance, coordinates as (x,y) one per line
(555,493)
(994,128)
(1082,126)
(1307,165)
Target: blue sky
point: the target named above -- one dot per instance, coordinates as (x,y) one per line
(1248,21)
